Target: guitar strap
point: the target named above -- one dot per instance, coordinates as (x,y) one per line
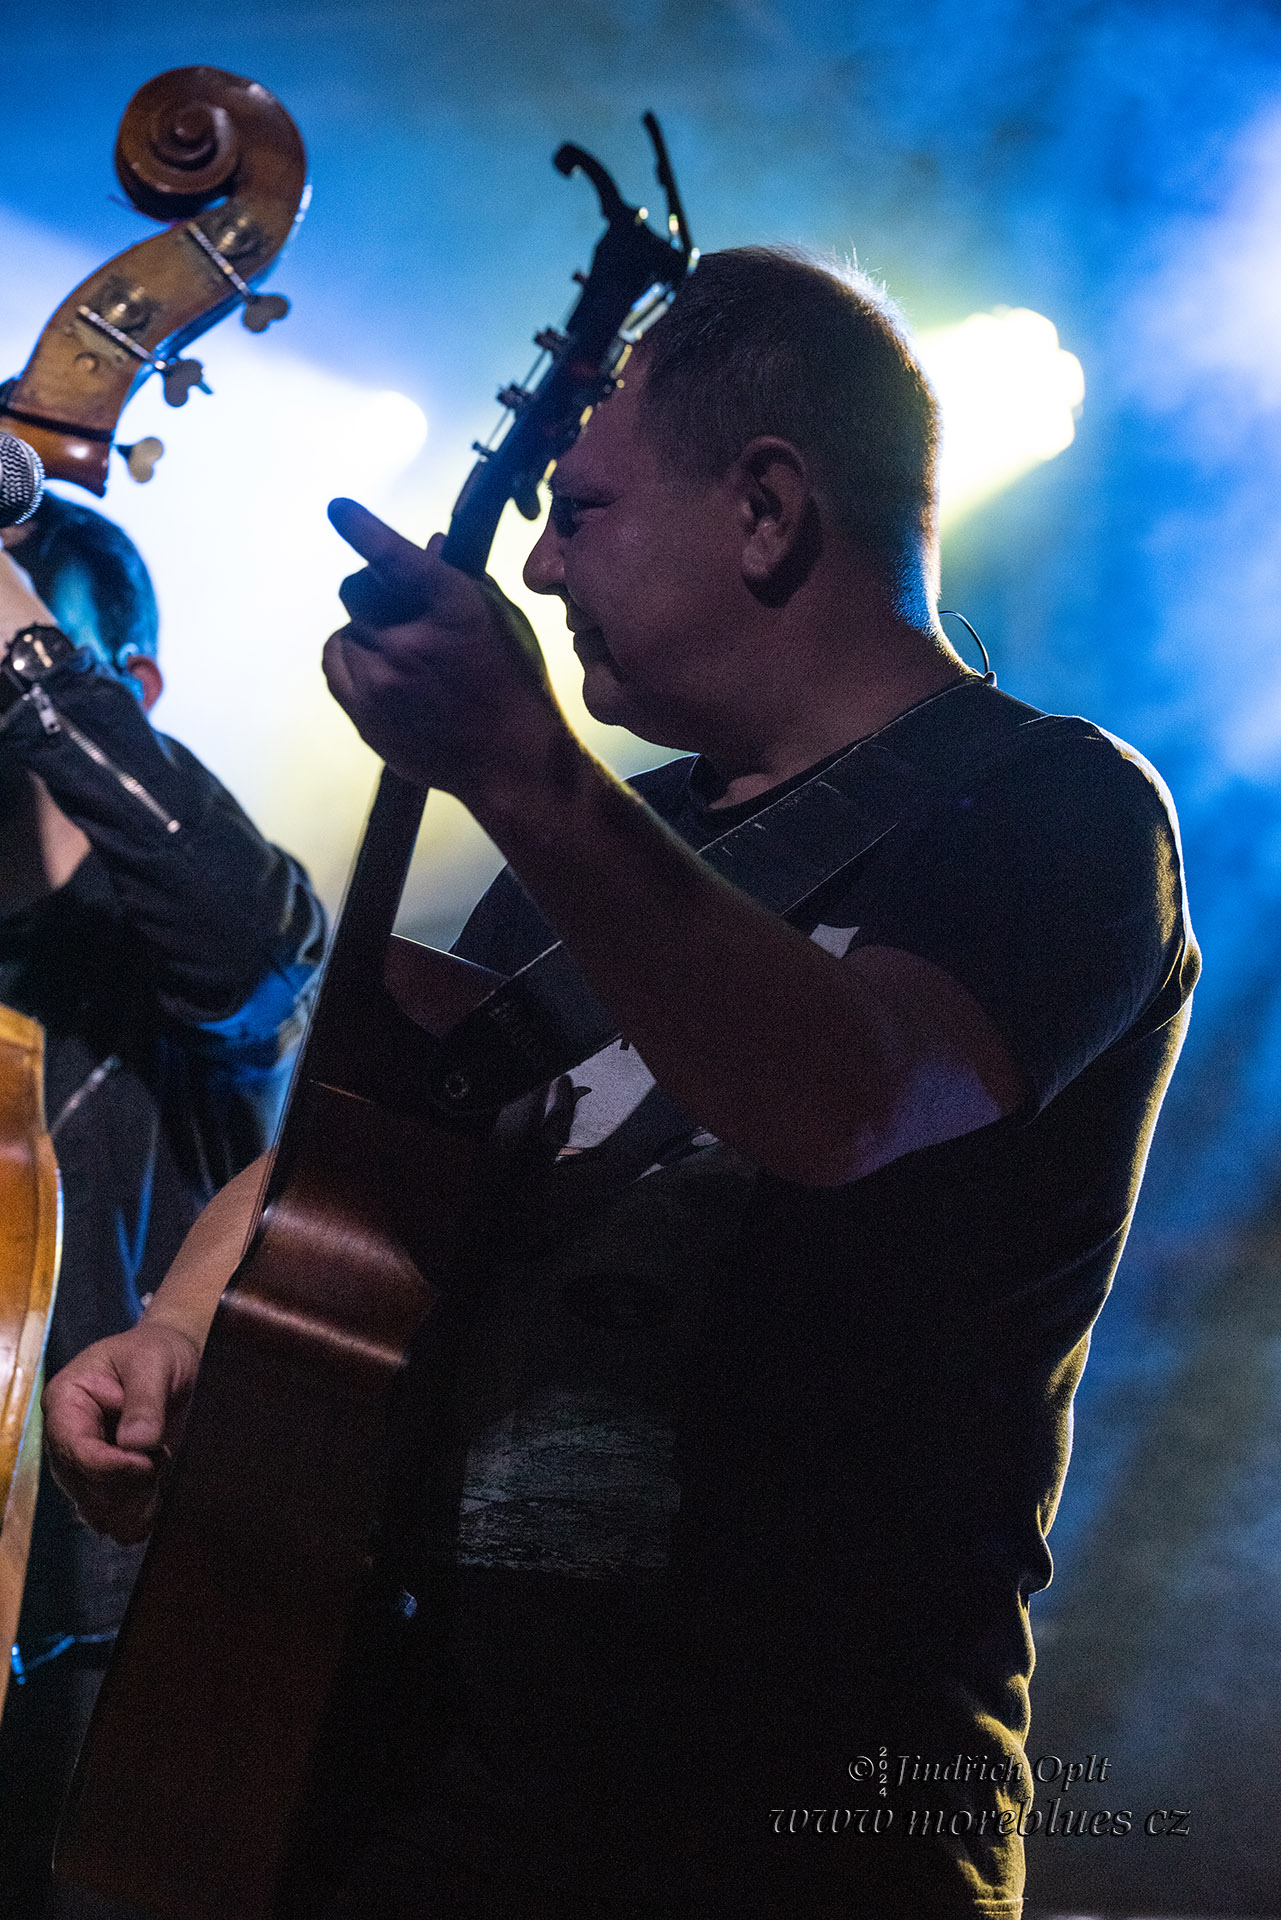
(545,1020)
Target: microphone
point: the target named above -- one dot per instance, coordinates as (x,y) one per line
(21,480)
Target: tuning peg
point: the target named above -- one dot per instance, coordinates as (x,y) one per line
(141,458)
(178,377)
(261,309)
(515,398)
(551,340)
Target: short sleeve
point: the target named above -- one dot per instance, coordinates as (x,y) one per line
(1052,890)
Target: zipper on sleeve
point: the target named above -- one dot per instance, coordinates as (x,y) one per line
(54,722)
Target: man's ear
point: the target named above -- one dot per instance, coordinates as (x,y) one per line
(779,517)
(142,668)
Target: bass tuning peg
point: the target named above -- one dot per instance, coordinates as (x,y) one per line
(260,309)
(177,377)
(141,458)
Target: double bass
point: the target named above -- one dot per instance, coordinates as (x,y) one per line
(210,1715)
(30,1233)
(219,162)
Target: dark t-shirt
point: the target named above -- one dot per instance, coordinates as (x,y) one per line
(760,1538)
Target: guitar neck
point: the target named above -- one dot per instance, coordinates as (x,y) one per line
(358,1041)
(373,893)
(355,1041)
(354,1045)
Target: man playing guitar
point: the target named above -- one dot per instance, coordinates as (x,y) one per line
(761,1454)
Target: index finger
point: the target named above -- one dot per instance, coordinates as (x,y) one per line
(372,538)
(398,584)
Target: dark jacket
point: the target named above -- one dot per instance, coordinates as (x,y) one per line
(170,975)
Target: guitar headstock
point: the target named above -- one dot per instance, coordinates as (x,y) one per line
(634,274)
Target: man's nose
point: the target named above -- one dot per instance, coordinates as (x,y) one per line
(544,572)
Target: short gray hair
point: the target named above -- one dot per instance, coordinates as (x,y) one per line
(772,341)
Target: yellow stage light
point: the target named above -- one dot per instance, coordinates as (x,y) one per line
(1009,394)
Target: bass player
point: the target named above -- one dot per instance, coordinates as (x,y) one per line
(169,966)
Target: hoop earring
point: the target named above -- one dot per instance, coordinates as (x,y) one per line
(950,613)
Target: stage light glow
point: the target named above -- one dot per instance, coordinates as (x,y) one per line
(389,428)
(1009,395)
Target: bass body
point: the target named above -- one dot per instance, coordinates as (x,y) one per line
(30,1231)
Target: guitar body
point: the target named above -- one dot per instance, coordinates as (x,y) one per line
(30,1216)
(212,1703)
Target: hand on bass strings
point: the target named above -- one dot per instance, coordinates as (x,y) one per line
(112,1418)
(114,1413)
(440,673)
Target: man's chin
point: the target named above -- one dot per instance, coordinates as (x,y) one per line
(604,695)
(607,701)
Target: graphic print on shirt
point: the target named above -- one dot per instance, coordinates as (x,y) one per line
(574,1407)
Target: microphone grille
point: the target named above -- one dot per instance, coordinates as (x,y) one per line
(21,480)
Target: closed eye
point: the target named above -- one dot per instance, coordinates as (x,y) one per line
(564,514)
(567,510)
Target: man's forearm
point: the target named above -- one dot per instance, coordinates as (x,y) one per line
(188,1296)
(218,907)
(798,1059)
